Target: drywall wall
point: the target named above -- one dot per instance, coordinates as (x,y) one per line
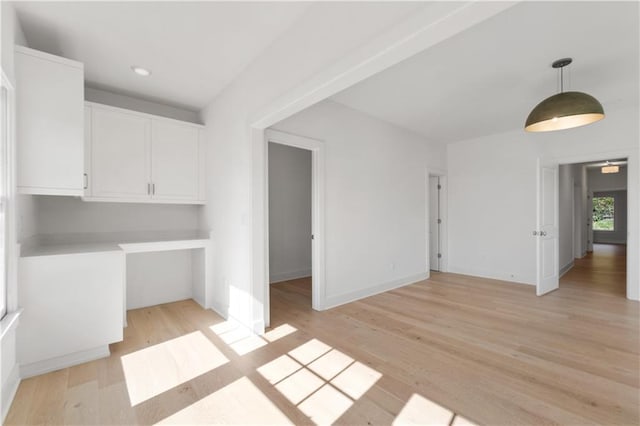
(308,48)
(119,100)
(495,178)
(150,282)
(375,198)
(566,217)
(598,181)
(330,47)
(11,33)
(289,212)
(66,215)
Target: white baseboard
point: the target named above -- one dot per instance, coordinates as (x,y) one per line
(220,309)
(333,301)
(9,389)
(292,275)
(566,268)
(64,361)
(490,275)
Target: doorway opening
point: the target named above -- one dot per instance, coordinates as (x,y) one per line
(592,226)
(295,217)
(435,224)
(290,232)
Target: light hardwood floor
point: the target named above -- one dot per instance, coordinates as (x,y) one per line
(603,271)
(448,350)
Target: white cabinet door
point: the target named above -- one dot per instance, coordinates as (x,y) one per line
(174,161)
(50,118)
(119,154)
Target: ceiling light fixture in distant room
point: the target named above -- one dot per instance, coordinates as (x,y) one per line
(610,168)
(564,110)
(141,71)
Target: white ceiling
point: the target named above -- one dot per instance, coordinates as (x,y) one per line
(194,49)
(487,79)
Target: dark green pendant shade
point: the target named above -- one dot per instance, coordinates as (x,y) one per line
(564,111)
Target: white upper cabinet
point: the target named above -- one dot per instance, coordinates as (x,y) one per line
(137,157)
(50,123)
(119,154)
(174,161)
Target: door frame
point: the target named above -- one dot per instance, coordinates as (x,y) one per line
(318,292)
(444,260)
(633,213)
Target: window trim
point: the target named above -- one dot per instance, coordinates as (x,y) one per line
(11,246)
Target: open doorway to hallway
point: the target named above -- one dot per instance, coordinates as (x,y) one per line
(435,224)
(290,222)
(593,226)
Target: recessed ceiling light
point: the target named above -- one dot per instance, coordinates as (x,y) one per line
(141,71)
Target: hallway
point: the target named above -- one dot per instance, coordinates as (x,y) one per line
(603,271)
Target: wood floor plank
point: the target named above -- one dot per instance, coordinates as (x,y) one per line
(484,351)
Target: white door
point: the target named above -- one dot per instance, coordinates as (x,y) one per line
(434,223)
(547,232)
(119,154)
(174,161)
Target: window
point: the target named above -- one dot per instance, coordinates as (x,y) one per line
(4,177)
(603,213)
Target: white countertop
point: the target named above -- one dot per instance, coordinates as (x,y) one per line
(138,242)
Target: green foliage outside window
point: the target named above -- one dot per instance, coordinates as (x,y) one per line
(603,210)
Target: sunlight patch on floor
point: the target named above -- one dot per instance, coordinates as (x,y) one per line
(279,368)
(329,365)
(240,402)
(326,405)
(242,340)
(422,411)
(309,351)
(461,421)
(299,385)
(279,332)
(356,380)
(153,370)
(323,382)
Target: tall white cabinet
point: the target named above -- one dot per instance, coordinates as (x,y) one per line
(50,117)
(137,157)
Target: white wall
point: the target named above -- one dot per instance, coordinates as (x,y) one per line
(11,34)
(70,215)
(598,181)
(495,178)
(326,33)
(375,199)
(333,45)
(289,212)
(158,277)
(106,97)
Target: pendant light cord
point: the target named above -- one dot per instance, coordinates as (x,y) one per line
(562,79)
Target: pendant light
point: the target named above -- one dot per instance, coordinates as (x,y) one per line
(564,110)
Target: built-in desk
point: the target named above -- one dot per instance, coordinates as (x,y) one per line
(73,292)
